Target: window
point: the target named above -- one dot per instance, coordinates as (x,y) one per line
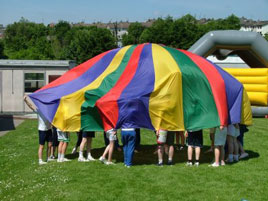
(33,81)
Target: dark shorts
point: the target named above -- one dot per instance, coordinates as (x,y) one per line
(45,136)
(170,138)
(195,138)
(88,134)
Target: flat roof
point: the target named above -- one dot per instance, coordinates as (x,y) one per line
(37,63)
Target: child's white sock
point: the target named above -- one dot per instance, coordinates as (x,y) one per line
(59,155)
(80,154)
(160,160)
(40,160)
(62,156)
(170,159)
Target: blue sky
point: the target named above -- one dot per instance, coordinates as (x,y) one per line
(88,11)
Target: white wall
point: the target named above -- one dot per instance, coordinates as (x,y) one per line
(12,90)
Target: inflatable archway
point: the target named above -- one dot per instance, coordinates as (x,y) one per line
(253,49)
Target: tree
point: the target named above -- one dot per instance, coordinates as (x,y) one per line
(60,36)
(27,40)
(185,31)
(2,54)
(159,32)
(88,42)
(134,32)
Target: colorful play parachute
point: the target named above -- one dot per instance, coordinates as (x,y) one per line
(144,86)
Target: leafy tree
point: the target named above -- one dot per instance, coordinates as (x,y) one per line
(134,32)
(184,32)
(159,32)
(89,42)
(27,40)
(60,36)
(2,55)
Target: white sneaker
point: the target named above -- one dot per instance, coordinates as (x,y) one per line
(196,164)
(66,160)
(74,151)
(50,159)
(189,164)
(42,162)
(59,160)
(244,155)
(109,163)
(214,165)
(103,160)
(82,159)
(90,158)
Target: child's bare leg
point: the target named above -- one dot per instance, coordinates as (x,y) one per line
(217,153)
(170,153)
(160,152)
(105,151)
(111,149)
(197,153)
(40,151)
(190,153)
(222,155)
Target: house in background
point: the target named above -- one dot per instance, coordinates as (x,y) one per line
(19,77)
(255,26)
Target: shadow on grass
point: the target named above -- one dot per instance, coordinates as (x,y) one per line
(146,155)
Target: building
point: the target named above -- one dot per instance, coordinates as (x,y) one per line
(255,26)
(19,77)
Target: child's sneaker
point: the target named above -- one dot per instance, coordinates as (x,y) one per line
(59,160)
(41,162)
(90,158)
(214,165)
(82,159)
(189,163)
(51,158)
(244,155)
(109,163)
(66,160)
(159,164)
(101,159)
(196,164)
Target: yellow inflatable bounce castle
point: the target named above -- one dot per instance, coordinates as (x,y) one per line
(255,81)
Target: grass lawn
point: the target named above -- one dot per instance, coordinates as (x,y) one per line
(21,178)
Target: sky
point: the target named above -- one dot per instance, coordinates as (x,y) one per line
(89,11)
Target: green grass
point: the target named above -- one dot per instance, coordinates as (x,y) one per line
(21,178)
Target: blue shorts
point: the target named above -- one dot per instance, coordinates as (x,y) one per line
(45,136)
(88,134)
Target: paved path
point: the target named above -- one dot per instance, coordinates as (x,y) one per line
(10,122)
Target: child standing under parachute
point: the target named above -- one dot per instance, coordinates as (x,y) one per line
(220,134)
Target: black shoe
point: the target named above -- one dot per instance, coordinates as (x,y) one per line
(159,164)
(169,163)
